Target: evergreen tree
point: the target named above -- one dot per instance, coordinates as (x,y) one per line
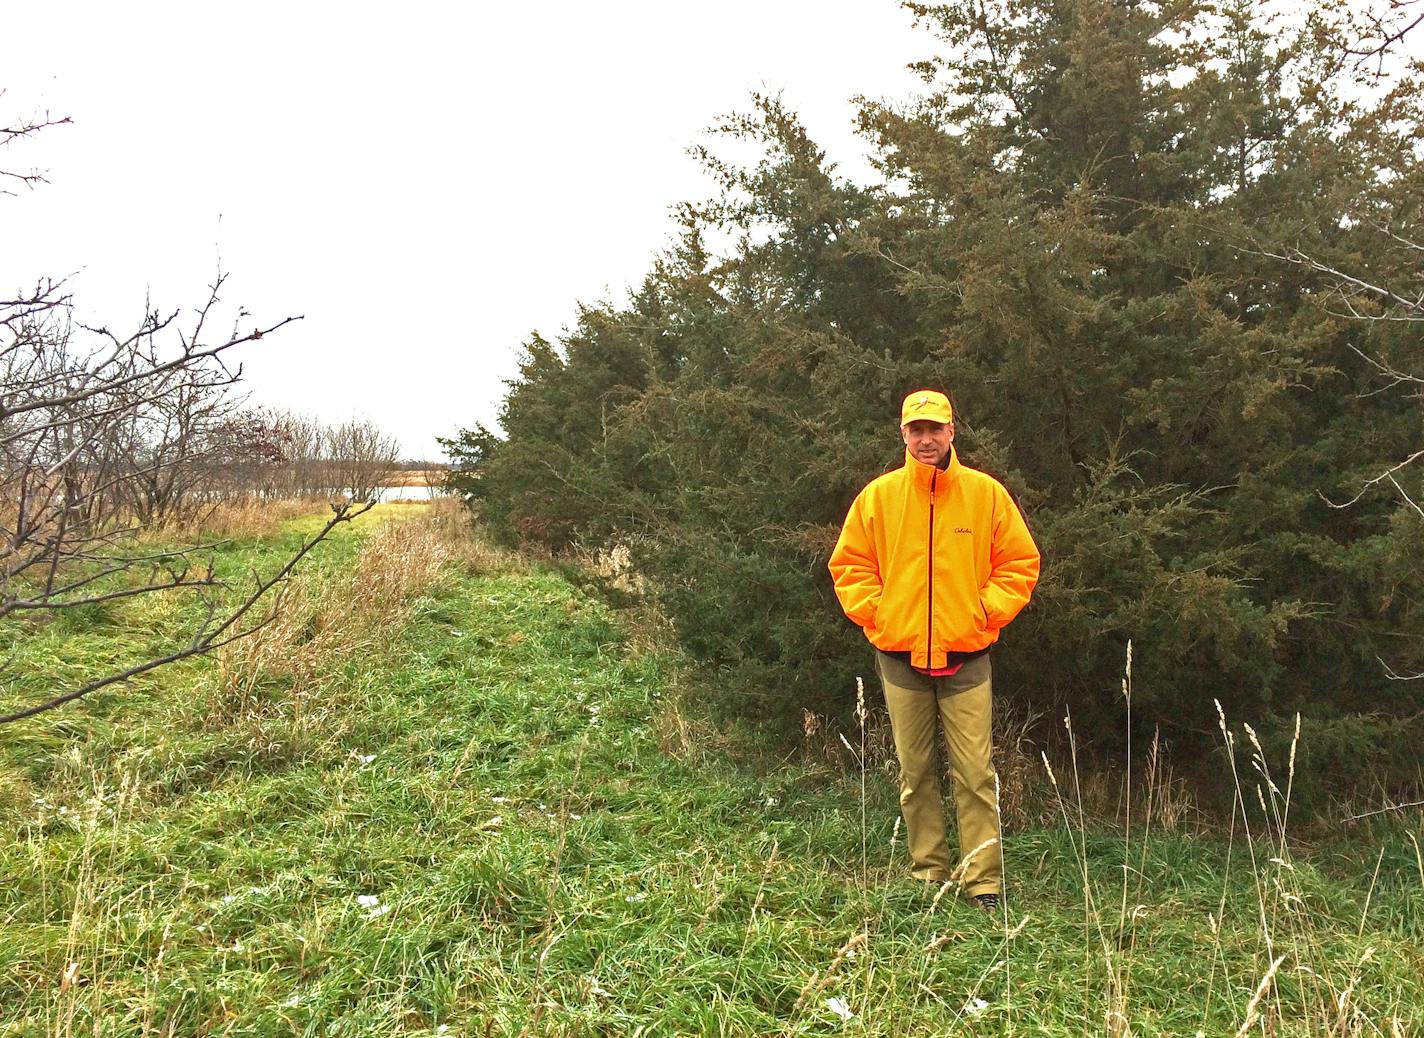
(1116,234)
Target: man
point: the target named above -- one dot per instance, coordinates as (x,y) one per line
(933,561)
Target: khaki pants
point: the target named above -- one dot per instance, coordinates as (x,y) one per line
(961,704)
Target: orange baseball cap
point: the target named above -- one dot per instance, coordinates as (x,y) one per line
(925,405)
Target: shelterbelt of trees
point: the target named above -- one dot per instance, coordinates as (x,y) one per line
(1166,260)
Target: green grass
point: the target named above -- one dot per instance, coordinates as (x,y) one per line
(504,820)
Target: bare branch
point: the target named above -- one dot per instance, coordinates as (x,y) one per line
(1395,376)
(1414,310)
(25,128)
(1389,673)
(189,355)
(1391,36)
(104,435)
(207,638)
(49,601)
(1370,483)
(1384,810)
(1349,288)
(1407,499)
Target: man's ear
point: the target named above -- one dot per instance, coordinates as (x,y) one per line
(951,430)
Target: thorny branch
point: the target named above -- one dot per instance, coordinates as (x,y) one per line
(25,128)
(211,634)
(101,443)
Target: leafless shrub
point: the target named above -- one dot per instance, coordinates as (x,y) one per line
(362,457)
(298,441)
(102,433)
(436,474)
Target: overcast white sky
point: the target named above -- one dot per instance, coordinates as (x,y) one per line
(426,183)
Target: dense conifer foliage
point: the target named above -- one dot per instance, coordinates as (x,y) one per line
(1159,255)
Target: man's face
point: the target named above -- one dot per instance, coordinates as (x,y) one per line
(928,441)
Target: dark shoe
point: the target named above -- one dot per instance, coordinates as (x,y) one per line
(988,902)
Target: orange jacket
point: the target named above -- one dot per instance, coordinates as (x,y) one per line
(933,561)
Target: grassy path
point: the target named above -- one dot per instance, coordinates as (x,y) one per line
(478,811)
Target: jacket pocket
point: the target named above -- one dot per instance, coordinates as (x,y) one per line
(992,622)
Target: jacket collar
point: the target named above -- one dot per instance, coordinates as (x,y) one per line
(923,475)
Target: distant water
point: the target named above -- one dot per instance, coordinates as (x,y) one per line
(415,493)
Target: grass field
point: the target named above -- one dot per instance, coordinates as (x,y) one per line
(453,793)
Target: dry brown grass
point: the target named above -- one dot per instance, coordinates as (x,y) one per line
(823,739)
(685,737)
(1156,796)
(323,620)
(449,521)
(434,476)
(1024,798)
(1027,799)
(245,519)
(647,627)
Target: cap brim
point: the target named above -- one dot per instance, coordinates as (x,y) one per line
(941,418)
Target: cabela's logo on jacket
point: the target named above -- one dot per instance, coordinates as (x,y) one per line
(910,570)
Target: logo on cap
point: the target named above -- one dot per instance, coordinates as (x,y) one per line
(925,405)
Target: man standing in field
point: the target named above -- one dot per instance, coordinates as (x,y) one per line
(933,561)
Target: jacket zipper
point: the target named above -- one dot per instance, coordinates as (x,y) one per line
(929,610)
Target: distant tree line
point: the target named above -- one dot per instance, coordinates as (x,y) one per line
(281,454)
(164,449)
(1165,259)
